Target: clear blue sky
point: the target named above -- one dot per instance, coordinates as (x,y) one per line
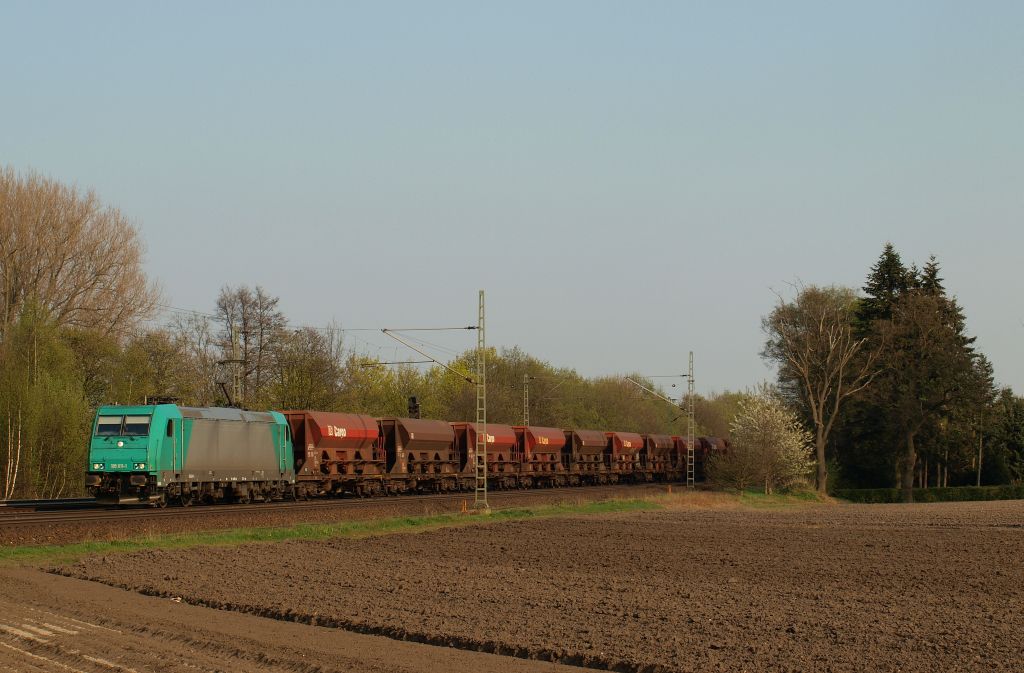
(628,181)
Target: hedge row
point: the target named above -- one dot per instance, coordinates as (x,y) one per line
(951,494)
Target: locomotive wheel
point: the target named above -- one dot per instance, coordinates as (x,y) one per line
(185,500)
(161,502)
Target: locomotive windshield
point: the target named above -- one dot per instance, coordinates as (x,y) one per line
(135,426)
(122,426)
(109,426)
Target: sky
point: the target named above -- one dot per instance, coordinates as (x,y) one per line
(627,181)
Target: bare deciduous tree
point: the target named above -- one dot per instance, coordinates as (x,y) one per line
(13,460)
(812,340)
(195,332)
(254,323)
(79,259)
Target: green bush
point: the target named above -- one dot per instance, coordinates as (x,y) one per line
(952,494)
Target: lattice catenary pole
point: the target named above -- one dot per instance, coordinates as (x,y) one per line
(480,492)
(690,427)
(526,399)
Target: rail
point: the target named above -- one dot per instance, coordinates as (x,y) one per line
(53,503)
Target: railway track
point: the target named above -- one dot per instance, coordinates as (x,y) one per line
(57,503)
(15,517)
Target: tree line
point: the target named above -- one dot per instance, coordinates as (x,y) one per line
(891,383)
(77,331)
(55,376)
(887,381)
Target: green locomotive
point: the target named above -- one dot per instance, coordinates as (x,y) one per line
(161,454)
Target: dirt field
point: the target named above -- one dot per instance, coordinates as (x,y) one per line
(52,624)
(935,587)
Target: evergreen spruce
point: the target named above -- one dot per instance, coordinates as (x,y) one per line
(930,280)
(889,279)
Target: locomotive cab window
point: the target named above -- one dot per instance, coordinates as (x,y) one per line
(109,426)
(136,426)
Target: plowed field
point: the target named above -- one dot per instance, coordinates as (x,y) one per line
(824,588)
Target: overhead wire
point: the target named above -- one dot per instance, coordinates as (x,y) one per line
(370,346)
(430,344)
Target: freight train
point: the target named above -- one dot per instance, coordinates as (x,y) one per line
(168,454)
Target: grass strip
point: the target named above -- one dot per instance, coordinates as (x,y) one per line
(761,500)
(307,531)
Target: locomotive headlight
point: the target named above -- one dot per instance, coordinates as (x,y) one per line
(139,466)
(97,466)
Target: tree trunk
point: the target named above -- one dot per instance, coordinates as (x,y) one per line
(980,444)
(819,449)
(909,461)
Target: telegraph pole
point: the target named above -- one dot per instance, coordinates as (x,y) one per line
(480,492)
(691,428)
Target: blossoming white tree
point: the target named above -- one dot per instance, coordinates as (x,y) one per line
(770,447)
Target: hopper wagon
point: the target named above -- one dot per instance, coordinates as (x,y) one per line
(421,455)
(541,451)
(583,456)
(624,449)
(503,456)
(336,453)
(657,458)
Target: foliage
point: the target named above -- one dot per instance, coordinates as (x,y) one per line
(44,417)
(922,419)
(72,338)
(820,359)
(308,371)
(887,281)
(1003,441)
(69,253)
(770,448)
(714,413)
(951,494)
(926,369)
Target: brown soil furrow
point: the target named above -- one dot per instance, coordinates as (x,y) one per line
(817,588)
(105,629)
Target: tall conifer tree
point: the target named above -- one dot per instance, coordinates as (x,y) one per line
(889,279)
